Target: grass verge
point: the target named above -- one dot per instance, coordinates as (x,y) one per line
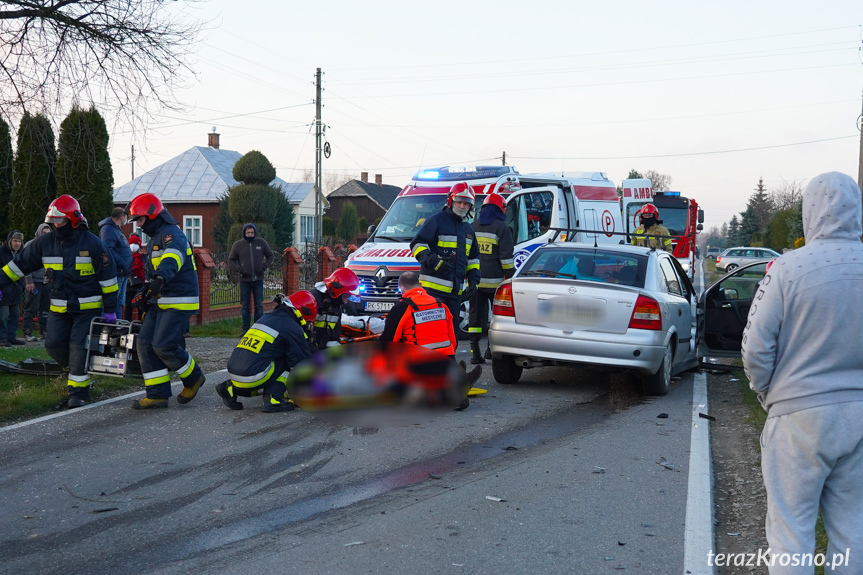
(757,417)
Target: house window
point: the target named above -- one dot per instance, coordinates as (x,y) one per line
(192,229)
(307,229)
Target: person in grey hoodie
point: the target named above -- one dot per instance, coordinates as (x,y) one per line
(250,256)
(803,355)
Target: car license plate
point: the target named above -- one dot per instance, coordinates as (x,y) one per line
(576,310)
(379,305)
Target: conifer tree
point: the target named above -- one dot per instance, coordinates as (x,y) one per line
(34,185)
(6,161)
(84,165)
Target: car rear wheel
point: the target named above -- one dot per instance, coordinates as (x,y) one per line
(659,382)
(505,370)
(730,268)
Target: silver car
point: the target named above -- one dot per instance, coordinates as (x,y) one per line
(617,306)
(733,258)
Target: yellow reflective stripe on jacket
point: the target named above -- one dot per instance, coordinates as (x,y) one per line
(181,303)
(175,255)
(419,248)
(489,282)
(58,305)
(13,272)
(507,264)
(191,256)
(84,266)
(156,377)
(253,380)
(434,283)
(447,241)
(109,286)
(52,262)
(94,302)
(472,264)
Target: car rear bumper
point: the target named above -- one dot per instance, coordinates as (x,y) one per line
(637,349)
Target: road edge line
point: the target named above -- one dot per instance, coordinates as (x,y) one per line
(698,528)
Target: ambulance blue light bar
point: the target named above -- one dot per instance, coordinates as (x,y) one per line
(463,173)
(666,194)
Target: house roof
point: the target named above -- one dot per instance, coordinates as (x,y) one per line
(382,194)
(200,174)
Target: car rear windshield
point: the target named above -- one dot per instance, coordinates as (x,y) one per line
(587,264)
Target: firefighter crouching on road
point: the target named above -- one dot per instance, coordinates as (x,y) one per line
(651,225)
(82,278)
(421,319)
(171,299)
(269,349)
(331,294)
(495,265)
(448,254)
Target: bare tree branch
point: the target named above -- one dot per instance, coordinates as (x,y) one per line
(126,55)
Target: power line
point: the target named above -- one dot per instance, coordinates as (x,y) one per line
(683,154)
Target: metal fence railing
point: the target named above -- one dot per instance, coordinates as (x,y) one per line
(310,253)
(225,282)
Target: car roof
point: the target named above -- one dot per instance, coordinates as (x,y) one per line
(623,248)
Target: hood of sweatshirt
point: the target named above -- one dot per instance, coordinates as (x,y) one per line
(832,208)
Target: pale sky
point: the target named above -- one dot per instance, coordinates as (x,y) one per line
(775,86)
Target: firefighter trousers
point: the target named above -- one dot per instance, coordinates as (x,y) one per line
(162,348)
(66,343)
(480,305)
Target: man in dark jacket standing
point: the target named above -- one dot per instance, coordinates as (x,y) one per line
(113,238)
(10,303)
(251,256)
(496,264)
(446,248)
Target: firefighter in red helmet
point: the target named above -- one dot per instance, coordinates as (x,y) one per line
(332,295)
(81,275)
(496,264)
(267,352)
(446,248)
(651,225)
(170,300)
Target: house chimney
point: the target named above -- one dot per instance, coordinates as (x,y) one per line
(364,177)
(213,139)
(379,179)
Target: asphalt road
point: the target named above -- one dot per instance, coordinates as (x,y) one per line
(202,489)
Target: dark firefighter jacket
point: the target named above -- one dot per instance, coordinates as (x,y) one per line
(328,322)
(276,341)
(495,251)
(171,257)
(447,252)
(80,271)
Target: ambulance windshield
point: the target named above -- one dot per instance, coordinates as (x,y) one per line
(407,215)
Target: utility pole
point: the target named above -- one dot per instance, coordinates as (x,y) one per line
(133,161)
(860,161)
(318,158)
(504,157)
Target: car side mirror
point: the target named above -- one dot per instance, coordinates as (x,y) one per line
(699,227)
(729,294)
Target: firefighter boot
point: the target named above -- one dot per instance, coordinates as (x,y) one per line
(191,385)
(225,391)
(78,397)
(148,403)
(487,354)
(475,355)
(274,404)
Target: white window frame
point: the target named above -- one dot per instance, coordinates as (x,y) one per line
(199,228)
(309,223)
(145,239)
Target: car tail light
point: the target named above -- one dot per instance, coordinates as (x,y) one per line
(718,259)
(503,301)
(646,314)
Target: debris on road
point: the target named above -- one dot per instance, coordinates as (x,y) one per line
(434,476)
(493,498)
(664,463)
(597,469)
(705,416)
(662,416)
(352,543)
(510,448)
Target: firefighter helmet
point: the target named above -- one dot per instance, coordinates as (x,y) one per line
(495,199)
(145,205)
(306,304)
(461,191)
(65,207)
(340,282)
(649,209)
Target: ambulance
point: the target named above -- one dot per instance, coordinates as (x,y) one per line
(538,207)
